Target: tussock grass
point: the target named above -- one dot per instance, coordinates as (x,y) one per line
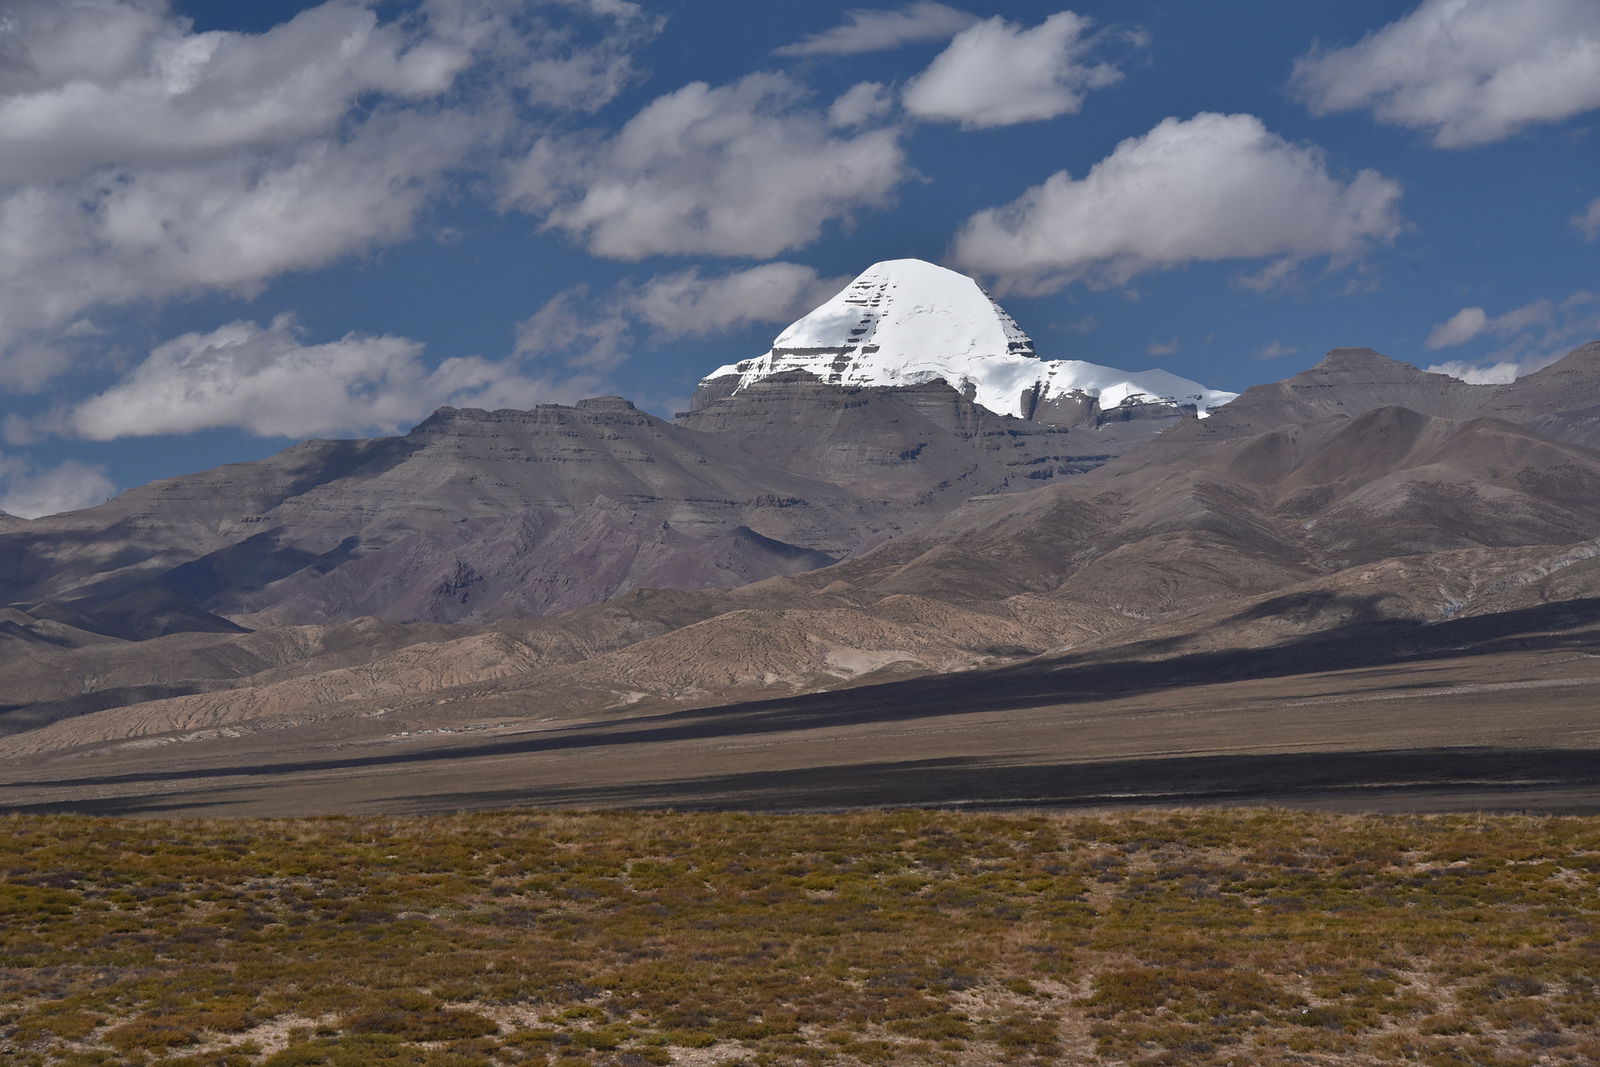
(1257,937)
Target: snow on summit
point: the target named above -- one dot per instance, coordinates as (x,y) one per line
(907,321)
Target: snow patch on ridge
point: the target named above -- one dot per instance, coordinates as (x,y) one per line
(1113,387)
(906,322)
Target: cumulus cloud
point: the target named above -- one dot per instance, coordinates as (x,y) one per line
(230,224)
(108,83)
(1213,187)
(877,31)
(1527,338)
(692,304)
(579,328)
(1587,221)
(1498,373)
(140,160)
(600,330)
(1471,322)
(113,83)
(745,169)
(1458,329)
(266,381)
(1468,71)
(561,66)
(859,105)
(28,492)
(996,73)
(27,368)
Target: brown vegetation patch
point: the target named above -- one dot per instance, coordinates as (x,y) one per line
(892,937)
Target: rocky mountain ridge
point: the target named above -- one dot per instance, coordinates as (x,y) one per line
(1390,516)
(1559,399)
(795,532)
(1316,528)
(477,515)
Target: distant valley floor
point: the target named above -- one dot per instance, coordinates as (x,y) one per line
(1495,718)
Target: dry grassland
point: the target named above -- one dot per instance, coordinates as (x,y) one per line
(1220,937)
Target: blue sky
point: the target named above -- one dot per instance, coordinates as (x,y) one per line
(225,227)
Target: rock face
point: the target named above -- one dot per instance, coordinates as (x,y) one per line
(905,322)
(1562,400)
(904,396)
(1164,531)
(883,411)
(1361,493)
(1349,381)
(924,447)
(477,515)
(1376,526)
(472,514)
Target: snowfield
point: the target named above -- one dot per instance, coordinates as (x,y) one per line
(906,322)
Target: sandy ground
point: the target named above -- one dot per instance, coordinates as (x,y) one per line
(1510,725)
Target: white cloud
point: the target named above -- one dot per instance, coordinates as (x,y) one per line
(691,304)
(583,331)
(995,74)
(120,84)
(1587,221)
(877,31)
(141,161)
(1276,350)
(859,105)
(229,224)
(1213,187)
(1161,348)
(1535,313)
(1529,337)
(738,170)
(28,492)
(600,331)
(1458,329)
(1469,71)
(1480,374)
(265,381)
(27,368)
(569,70)
(18,429)
(1471,322)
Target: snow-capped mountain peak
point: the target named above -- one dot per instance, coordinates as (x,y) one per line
(906,322)
(904,310)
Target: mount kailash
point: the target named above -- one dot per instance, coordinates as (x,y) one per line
(883,410)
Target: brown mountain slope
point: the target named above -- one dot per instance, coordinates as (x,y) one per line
(1561,401)
(1249,540)
(1250,537)
(475,516)
(1348,381)
(497,683)
(284,673)
(478,515)
(1162,531)
(466,499)
(915,445)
